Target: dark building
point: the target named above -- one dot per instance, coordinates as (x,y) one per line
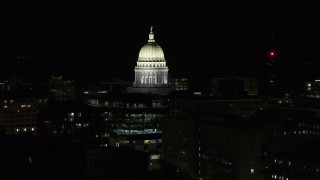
(226,139)
(21,114)
(77,123)
(21,100)
(116,85)
(181,84)
(235,86)
(289,148)
(213,139)
(312,89)
(61,89)
(14,85)
(30,157)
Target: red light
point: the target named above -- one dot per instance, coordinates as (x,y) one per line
(272,53)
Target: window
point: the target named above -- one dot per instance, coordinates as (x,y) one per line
(155,157)
(251,171)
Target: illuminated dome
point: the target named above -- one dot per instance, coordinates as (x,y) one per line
(151,69)
(151,51)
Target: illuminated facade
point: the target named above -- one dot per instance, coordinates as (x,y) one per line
(132,120)
(151,69)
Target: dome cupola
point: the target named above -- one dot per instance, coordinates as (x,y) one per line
(151,51)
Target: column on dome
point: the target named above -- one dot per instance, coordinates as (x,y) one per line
(167,78)
(146,79)
(162,76)
(141,78)
(159,77)
(155,78)
(138,80)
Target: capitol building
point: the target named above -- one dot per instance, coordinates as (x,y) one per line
(151,71)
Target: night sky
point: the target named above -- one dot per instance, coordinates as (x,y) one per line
(238,30)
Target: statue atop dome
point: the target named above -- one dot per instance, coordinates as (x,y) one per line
(151,35)
(151,29)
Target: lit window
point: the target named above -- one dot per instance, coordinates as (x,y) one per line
(5,107)
(252,171)
(155,157)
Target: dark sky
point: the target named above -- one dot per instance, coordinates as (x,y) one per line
(240,29)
